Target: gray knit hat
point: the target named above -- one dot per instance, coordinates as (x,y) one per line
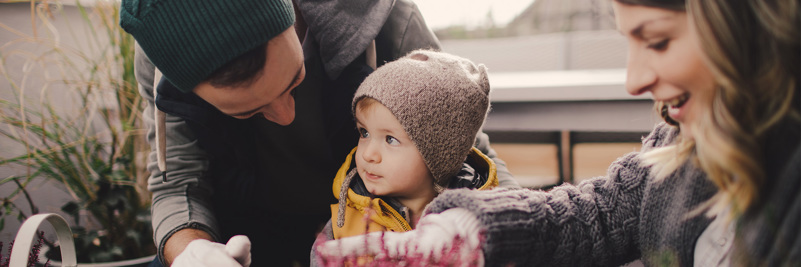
(441,101)
(190,39)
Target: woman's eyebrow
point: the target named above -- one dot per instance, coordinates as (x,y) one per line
(637,31)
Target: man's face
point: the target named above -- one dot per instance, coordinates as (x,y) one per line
(269,94)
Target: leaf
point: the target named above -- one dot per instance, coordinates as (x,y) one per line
(116,251)
(8,179)
(78,230)
(71,208)
(144,216)
(7,207)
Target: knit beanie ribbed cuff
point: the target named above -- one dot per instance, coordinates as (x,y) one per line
(189,40)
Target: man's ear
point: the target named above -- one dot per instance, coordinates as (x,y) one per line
(300,23)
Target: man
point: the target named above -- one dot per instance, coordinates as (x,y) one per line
(258,115)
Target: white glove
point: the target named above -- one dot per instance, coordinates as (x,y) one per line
(431,243)
(202,252)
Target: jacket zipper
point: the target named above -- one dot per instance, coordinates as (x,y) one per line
(391,212)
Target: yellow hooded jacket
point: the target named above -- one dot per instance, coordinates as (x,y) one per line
(382,216)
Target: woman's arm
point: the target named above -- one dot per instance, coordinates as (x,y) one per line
(593,223)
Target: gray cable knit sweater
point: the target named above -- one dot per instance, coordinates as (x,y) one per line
(613,220)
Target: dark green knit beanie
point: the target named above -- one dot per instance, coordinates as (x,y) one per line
(189,39)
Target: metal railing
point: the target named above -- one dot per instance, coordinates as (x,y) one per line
(565,141)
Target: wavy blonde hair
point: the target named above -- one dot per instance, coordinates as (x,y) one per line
(752,48)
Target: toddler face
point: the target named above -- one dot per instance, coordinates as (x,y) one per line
(386,159)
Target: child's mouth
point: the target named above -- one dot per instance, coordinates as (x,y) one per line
(371,175)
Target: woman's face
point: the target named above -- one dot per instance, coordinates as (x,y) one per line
(665,58)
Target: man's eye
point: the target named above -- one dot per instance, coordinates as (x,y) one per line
(363,133)
(392,140)
(659,46)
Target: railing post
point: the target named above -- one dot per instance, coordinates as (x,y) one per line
(566,157)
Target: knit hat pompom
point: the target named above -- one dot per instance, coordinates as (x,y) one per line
(441,100)
(189,40)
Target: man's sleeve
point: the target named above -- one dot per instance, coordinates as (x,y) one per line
(404,31)
(182,201)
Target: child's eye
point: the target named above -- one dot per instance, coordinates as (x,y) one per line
(659,46)
(392,140)
(363,133)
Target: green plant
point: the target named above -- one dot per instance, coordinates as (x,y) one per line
(81,127)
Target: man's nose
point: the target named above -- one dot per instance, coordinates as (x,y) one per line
(281,111)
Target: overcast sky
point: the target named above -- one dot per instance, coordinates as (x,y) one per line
(443,13)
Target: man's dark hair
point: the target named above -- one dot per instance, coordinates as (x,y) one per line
(242,70)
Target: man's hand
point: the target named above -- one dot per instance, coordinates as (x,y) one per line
(202,252)
(450,238)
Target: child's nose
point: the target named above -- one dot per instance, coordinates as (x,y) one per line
(371,153)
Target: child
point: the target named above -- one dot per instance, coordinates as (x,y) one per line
(417,118)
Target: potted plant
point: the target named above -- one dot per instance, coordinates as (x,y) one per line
(80,126)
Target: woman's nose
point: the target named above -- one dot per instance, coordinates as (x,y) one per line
(639,76)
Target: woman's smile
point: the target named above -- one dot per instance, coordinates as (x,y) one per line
(676,106)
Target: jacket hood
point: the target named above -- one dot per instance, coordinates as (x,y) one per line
(478,172)
(343,29)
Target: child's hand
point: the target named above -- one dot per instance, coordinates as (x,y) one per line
(451,238)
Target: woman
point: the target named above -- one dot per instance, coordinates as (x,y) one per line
(716,184)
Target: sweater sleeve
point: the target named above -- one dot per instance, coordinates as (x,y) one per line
(595,223)
(183,201)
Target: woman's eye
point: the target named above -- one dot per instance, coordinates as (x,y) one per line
(392,140)
(363,133)
(659,46)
